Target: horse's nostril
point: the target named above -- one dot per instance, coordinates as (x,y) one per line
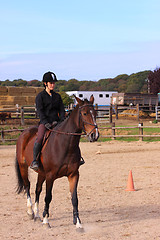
(92,135)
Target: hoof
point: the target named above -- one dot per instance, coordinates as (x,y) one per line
(78,224)
(46,225)
(80,230)
(31,216)
(37,219)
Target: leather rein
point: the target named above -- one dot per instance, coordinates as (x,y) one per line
(78,134)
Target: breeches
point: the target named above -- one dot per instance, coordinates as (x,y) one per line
(41,132)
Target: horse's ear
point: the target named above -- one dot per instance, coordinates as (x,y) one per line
(91,99)
(80,102)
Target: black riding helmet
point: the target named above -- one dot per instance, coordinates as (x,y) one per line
(49,77)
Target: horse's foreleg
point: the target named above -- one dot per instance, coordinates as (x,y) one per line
(48,198)
(73,182)
(40,181)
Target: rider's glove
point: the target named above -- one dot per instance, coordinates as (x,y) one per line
(54,123)
(48,125)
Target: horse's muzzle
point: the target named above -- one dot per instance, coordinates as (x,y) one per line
(93,137)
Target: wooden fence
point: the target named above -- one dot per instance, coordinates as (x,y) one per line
(157,113)
(104,114)
(113,136)
(140,128)
(21,113)
(5,132)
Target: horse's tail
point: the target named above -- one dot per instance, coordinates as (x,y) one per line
(20,184)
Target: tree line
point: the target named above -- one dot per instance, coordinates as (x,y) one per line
(141,82)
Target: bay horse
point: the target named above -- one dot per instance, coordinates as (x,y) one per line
(60,156)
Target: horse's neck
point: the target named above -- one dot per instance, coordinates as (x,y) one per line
(72,123)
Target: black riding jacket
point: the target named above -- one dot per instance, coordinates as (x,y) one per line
(49,108)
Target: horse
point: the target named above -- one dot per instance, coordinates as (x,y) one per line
(60,156)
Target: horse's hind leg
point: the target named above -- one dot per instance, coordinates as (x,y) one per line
(40,181)
(29,204)
(27,188)
(48,198)
(73,182)
(26,183)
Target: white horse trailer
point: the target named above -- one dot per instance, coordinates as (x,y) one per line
(101,98)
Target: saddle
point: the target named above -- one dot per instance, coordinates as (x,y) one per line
(48,132)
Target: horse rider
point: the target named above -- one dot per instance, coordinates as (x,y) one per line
(50,110)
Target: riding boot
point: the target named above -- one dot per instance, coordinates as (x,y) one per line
(81,161)
(36,149)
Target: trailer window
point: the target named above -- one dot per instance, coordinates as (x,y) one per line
(100,95)
(80,95)
(107,95)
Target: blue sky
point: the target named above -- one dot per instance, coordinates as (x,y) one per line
(86,40)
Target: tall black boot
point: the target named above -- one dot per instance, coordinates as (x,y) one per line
(36,149)
(81,161)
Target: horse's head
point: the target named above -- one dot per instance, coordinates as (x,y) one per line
(88,118)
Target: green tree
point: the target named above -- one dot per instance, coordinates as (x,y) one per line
(61,86)
(35,83)
(154,81)
(19,83)
(67,100)
(73,85)
(7,83)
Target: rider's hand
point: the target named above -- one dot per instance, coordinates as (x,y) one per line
(48,125)
(54,123)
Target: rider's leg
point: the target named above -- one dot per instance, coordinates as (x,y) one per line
(37,147)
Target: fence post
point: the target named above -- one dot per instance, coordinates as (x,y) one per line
(140,125)
(96,108)
(113,131)
(116,111)
(2,135)
(137,112)
(36,115)
(110,113)
(156,109)
(17,110)
(22,116)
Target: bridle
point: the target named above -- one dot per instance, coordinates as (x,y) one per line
(83,123)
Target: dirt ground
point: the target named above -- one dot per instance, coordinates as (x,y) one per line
(107,211)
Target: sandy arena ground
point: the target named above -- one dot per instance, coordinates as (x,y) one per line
(107,211)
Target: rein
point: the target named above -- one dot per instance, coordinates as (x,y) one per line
(77,134)
(66,133)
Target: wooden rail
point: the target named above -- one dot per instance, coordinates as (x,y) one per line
(103,114)
(113,136)
(3,133)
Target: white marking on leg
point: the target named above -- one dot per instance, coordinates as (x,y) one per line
(29,206)
(36,210)
(45,220)
(78,224)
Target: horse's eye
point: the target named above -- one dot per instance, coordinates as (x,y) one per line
(85,114)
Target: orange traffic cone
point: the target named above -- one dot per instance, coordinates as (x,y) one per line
(130,184)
